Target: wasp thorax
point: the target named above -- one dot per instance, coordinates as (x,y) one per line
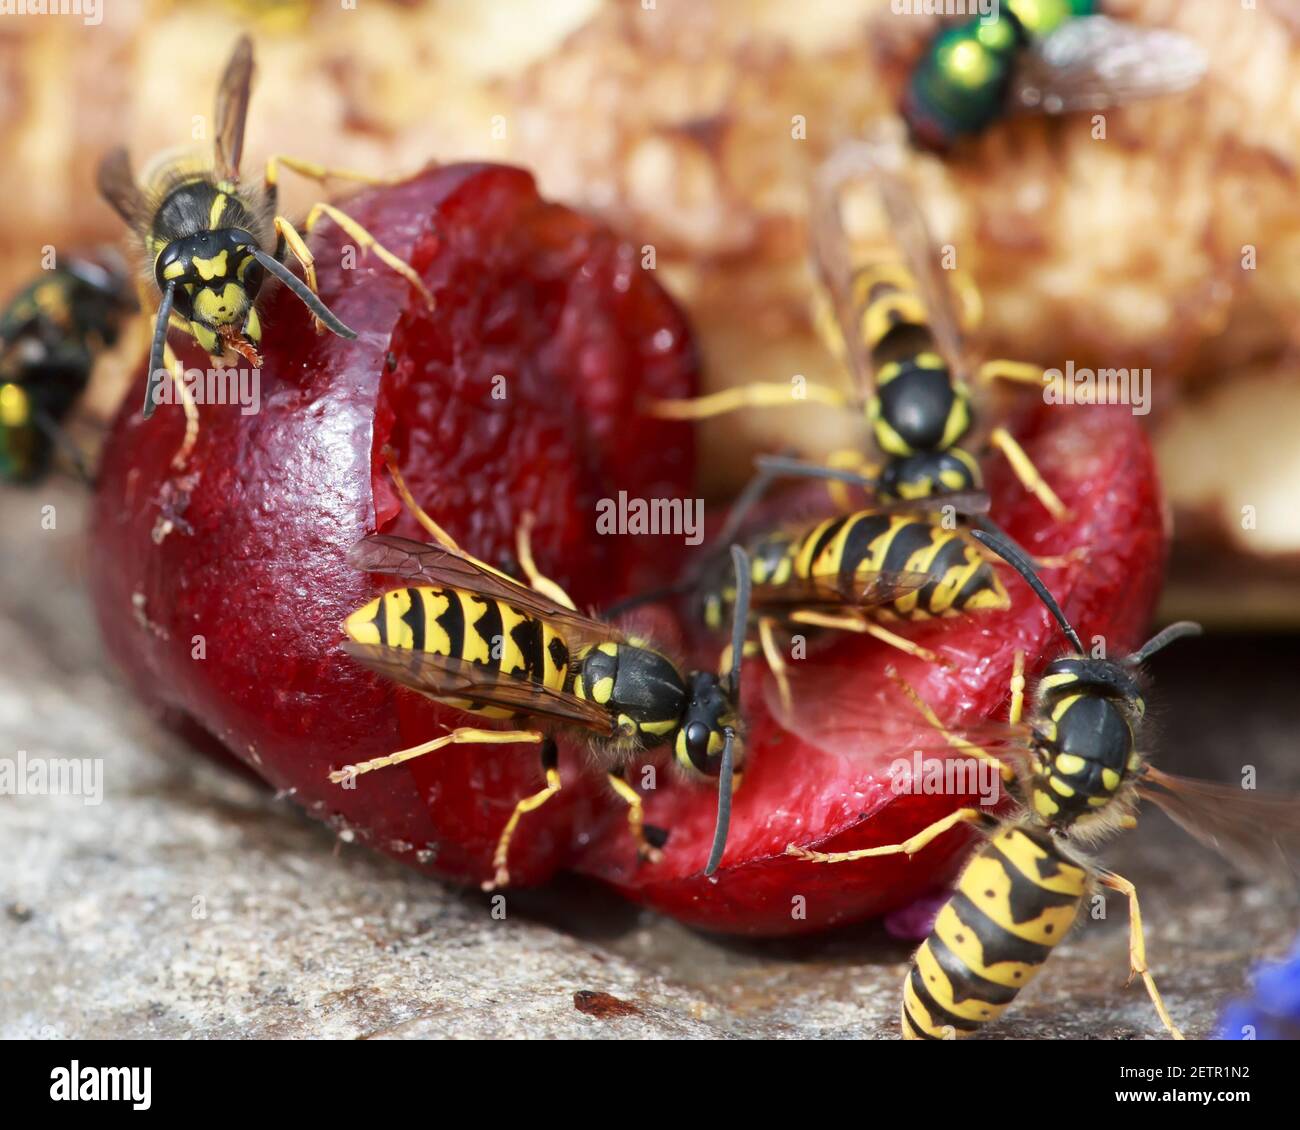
(919,407)
(928,473)
(640,687)
(703,732)
(1086,713)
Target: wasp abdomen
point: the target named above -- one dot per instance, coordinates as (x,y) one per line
(1014,902)
(466,626)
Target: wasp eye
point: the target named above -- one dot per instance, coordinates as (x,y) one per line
(697,745)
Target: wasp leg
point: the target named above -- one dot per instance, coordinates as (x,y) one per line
(536,579)
(1001,369)
(846,459)
(954,740)
(909,846)
(1028,474)
(288,236)
(462,736)
(635,815)
(775,661)
(191,409)
(1137,950)
(550,766)
(320,173)
(1017,688)
(368,242)
(865,626)
(970,312)
(757,395)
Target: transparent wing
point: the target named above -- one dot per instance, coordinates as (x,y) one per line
(1257,831)
(117,185)
(876,163)
(835,592)
(232,110)
(1094,62)
(436,565)
(455,680)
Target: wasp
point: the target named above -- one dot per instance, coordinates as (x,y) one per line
(850,571)
(210,240)
(1043,56)
(895,321)
(466,634)
(1076,770)
(50,335)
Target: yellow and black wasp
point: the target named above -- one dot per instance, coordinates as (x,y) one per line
(50,335)
(209,240)
(468,635)
(895,322)
(1076,770)
(849,572)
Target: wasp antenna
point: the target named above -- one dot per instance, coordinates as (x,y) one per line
(1163,639)
(303,292)
(1020,563)
(159,346)
(725,780)
(798,468)
(739,621)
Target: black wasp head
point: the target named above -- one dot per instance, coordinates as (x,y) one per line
(214,274)
(703,732)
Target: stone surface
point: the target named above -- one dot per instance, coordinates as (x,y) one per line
(192,903)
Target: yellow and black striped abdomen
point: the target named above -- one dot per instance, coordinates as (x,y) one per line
(1014,902)
(464,625)
(856,545)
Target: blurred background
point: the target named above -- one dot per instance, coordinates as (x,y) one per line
(695,127)
(1173,244)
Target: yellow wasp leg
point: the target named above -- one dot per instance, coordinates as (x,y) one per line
(1017,688)
(1000,369)
(846,459)
(909,846)
(970,312)
(952,739)
(462,736)
(187,403)
(550,765)
(435,531)
(1137,950)
(368,242)
(539,582)
(439,535)
(321,173)
(757,395)
(635,818)
(1028,474)
(862,625)
(297,245)
(775,660)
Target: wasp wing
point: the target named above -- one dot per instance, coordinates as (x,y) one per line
(1256,831)
(453,680)
(832,592)
(1094,62)
(232,110)
(876,163)
(117,185)
(437,565)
